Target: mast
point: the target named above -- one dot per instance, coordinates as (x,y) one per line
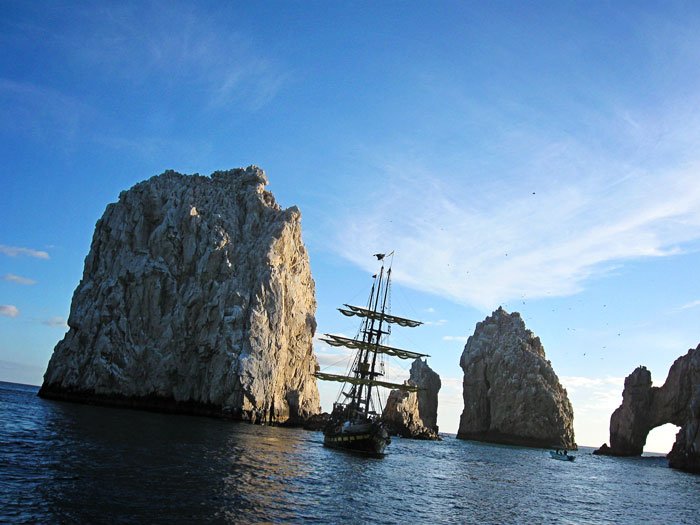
(368,336)
(364,369)
(379,335)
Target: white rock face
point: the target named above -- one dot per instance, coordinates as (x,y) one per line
(414,414)
(511,393)
(196,296)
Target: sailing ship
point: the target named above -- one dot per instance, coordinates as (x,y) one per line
(355,422)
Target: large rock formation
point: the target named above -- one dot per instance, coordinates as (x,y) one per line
(414,414)
(511,393)
(645,407)
(196,296)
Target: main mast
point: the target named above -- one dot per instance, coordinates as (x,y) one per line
(374,319)
(372,337)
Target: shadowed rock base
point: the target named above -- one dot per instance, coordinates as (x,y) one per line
(506,439)
(155,403)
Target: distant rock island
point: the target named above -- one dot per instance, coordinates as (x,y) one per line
(414,414)
(511,393)
(645,407)
(196,297)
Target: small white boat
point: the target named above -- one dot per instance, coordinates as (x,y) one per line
(561,455)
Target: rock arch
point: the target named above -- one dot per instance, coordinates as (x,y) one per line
(645,407)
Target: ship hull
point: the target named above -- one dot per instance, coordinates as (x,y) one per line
(367,438)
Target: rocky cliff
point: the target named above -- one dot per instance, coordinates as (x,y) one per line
(511,393)
(414,414)
(196,296)
(645,407)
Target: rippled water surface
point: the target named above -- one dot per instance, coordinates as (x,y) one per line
(69,463)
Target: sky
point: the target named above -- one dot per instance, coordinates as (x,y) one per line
(539,156)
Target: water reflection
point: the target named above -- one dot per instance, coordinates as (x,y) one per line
(67,463)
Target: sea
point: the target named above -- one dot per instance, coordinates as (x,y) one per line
(69,463)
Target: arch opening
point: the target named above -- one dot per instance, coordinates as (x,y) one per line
(660,439)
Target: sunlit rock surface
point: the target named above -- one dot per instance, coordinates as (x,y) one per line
(414,414)
(645,407)
(511,393)
(196,296)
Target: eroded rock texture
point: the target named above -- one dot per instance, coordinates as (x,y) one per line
(645,407)
(511,393)
(414,414)
(196,296)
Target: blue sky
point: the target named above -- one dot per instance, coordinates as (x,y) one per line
(538,156)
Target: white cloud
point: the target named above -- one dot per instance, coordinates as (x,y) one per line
(56,321)
(10,277)
(450,403)
(439,322)
(572,382)
(546,203)
(332,359)
(9,310)
(486,245)
(691,304)
(594,400)
(14,251)
(460,338)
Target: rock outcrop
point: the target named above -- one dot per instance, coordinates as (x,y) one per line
(511,393)
(414,414)
(196,297)
(645,407)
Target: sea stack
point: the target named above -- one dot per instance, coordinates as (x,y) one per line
(511,393)
(196,297)
(414,414)
(645,407)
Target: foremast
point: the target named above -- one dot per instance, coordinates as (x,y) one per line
(376,325)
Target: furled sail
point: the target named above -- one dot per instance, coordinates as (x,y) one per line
(360,381)
(337,340)
(370,314)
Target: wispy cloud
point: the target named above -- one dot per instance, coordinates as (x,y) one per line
(9,310)
(573,383)
(460,338)
(14,251)
(522,197)
(137,43)
(55,322)
(691,304)
(10,277)
(594,400)
(439,322)
(542,235)
(40,111)
(333,359)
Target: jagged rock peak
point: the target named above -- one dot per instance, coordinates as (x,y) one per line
(414,414)
(196,296)
(645,407)
(511,393)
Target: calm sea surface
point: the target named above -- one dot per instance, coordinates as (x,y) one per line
(69,463)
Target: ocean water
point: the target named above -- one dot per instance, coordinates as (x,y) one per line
(69,463)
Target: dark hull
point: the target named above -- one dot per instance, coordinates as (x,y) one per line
(371,441)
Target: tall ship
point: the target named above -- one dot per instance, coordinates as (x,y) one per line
(355,423)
